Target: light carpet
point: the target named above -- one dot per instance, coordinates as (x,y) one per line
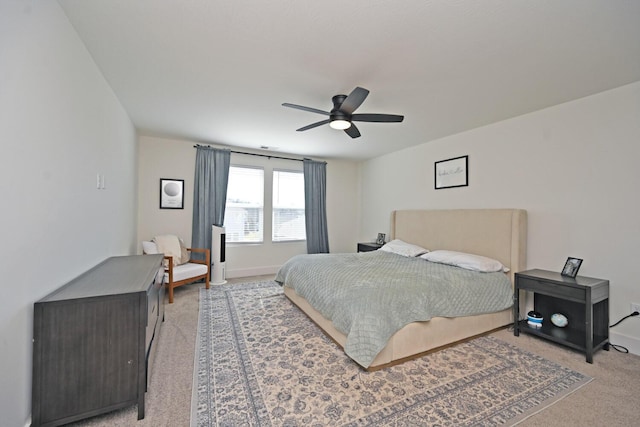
(261,362)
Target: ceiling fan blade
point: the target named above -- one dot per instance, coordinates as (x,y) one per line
(387,118)
(352,131)
(302,107)
(314,125)
(354,100)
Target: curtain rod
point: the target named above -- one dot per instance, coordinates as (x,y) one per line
(254,154)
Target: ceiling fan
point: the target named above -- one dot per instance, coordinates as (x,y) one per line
(341,116)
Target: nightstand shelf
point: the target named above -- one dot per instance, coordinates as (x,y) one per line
(583,300)
(568,337)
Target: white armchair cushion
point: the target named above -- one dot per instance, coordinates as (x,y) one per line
(185,271)
(169,245)
(149,248)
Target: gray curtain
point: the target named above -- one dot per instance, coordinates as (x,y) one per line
(209,194)
(315,192)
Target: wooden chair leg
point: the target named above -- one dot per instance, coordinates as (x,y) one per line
(170,294)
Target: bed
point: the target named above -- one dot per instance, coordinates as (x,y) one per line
(499,234)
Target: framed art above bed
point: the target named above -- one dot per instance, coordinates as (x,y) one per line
(452,173)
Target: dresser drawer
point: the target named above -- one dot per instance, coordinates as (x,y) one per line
(152,319)
(552,289)
(153,308)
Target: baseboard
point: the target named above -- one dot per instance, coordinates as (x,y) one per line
(255,271)
(630,343)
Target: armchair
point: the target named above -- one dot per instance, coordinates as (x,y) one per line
(185,273)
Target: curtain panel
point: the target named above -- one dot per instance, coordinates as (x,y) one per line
(315,192)
(209,194)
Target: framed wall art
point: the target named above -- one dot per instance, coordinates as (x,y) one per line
(171,193)
(452,173)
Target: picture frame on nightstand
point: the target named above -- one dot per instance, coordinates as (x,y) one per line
(380,239)
(571,267)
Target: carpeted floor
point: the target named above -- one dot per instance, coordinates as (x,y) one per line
(611,399)
(261,362)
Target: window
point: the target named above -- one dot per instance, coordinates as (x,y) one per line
(244,216)
(288,206)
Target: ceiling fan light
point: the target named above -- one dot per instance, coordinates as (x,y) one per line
(340,124)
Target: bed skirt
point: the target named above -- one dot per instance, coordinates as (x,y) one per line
(415,338)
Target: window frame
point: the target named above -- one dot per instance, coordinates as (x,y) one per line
(273,209)
(263,206)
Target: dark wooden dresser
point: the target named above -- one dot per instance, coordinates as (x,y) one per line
(93,339)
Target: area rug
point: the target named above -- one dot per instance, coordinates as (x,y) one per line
(261,362)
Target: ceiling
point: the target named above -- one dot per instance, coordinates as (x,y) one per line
(214,71)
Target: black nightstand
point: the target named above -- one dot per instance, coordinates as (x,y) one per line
(583,300)
(368,247)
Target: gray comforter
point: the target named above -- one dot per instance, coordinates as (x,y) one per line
(370,295)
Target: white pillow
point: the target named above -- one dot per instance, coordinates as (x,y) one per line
(464,260)
(399,247)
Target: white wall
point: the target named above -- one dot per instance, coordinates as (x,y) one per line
(573,167)
(60,125)
(167,158)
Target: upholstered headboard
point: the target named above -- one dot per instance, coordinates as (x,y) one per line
(495,233)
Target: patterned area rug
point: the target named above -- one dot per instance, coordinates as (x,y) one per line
(261,362)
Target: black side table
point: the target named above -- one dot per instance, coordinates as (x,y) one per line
(583,300)
(368,247)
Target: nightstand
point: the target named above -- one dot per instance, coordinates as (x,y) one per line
(368,247)
(583,300)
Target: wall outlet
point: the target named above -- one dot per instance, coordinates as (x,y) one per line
(635,307)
